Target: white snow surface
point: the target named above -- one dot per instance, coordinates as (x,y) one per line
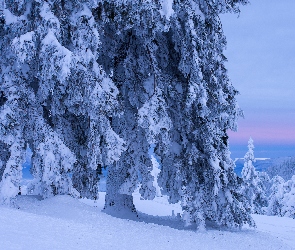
(63,222)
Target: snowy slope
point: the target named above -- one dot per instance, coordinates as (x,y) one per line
(65,223)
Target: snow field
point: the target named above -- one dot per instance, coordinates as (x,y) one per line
(64,223)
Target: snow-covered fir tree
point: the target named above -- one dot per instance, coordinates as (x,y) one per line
(175,93)
(288,202)
(108,79)
(252,187)
(19,77)
(78,97)
(276,196)
(282,198)
(197,169)
(54,48)
(128,54)
(14,98)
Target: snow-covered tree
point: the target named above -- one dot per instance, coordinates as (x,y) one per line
(129,55)
(14,99)
(174,87)
(50,51)
(252,187)
(282,198)
(197,168)
(21,113)
(108,79)
(79,97)
(288,202)
(276,196)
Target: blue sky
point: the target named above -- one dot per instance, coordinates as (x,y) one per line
(261,64)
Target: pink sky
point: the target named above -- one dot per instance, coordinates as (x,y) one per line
(263,135)
(265,128)
(261,63)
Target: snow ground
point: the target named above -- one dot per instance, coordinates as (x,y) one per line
(64,223)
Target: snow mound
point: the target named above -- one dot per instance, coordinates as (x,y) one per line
(65,223)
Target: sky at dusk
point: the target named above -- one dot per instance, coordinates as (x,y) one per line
(261,65)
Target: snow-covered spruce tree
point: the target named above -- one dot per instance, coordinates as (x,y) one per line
(288,202)
(191,85)
(50,50)
(252,186)
(76,96)
(282,198)
(129,55)
(276,196)
(197,170)
(22,117)
(13,100)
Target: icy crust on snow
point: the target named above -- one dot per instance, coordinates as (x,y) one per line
(63,223)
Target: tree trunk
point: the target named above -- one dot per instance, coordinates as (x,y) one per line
(116,203)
